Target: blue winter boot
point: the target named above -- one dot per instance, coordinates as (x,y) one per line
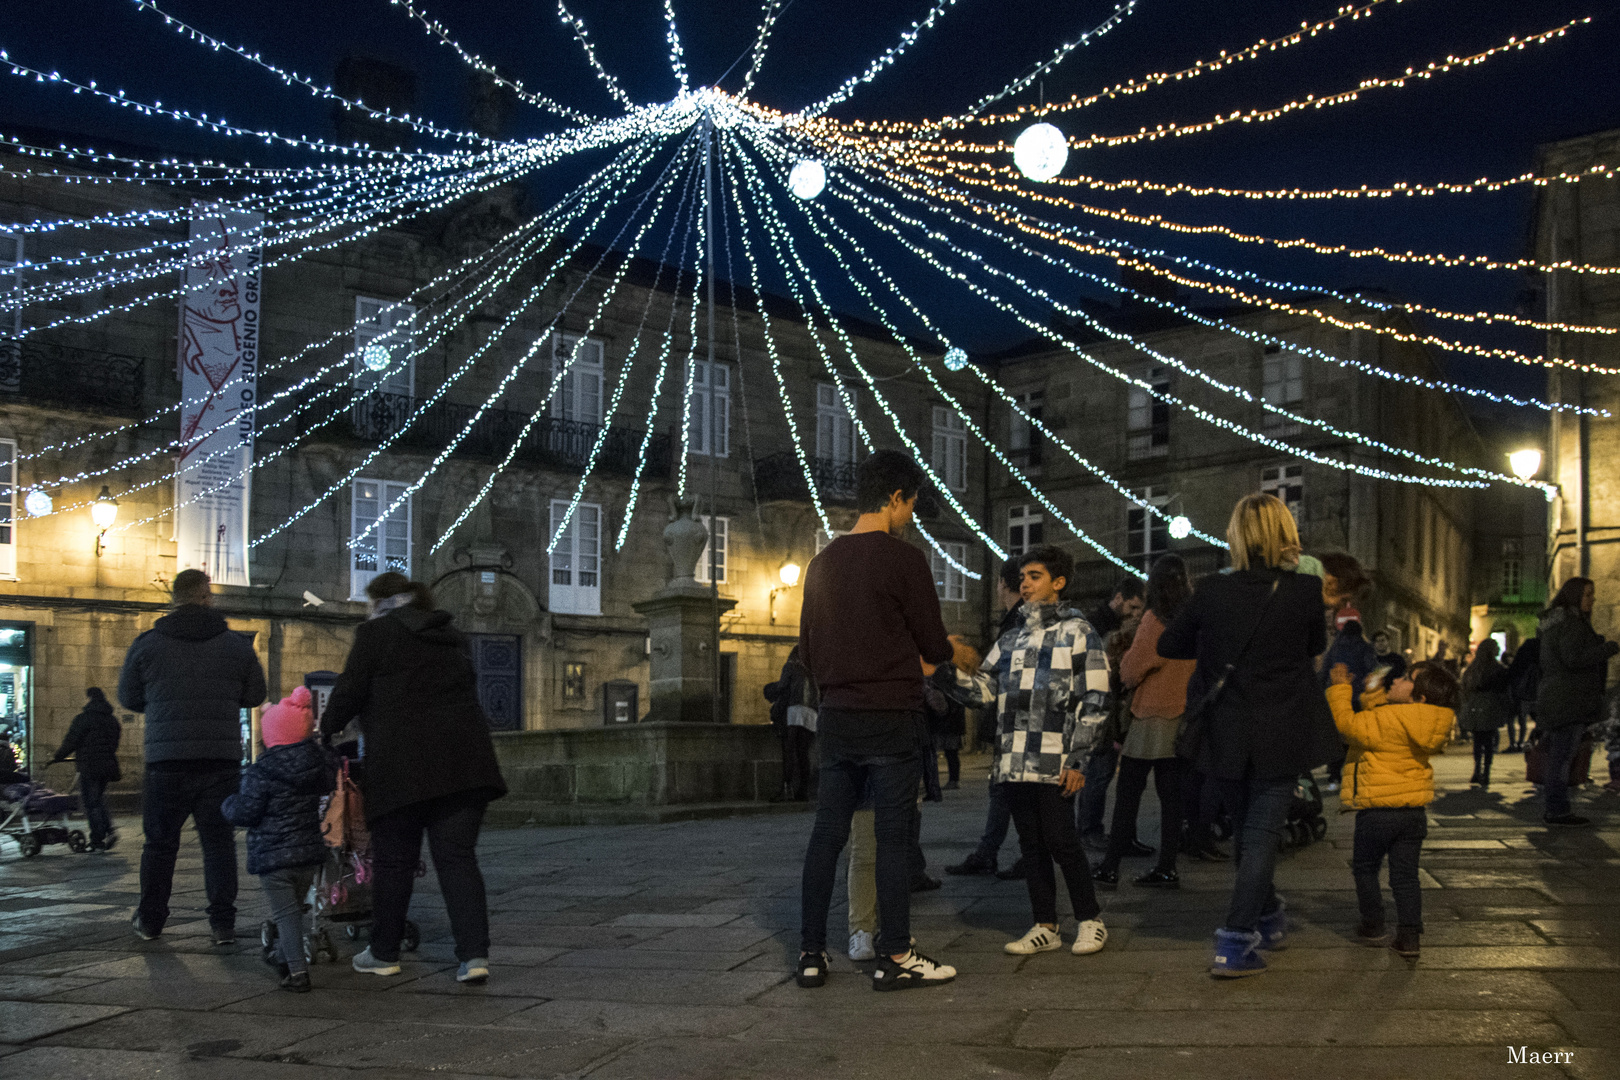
(1235,954)
(1273,928)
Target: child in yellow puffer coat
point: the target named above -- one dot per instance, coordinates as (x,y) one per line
(1388,781)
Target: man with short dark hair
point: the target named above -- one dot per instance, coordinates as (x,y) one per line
(869,612)
(191,675)
(1127,603)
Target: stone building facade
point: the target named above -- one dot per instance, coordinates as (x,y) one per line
(1415,541)
(1580,223)
(556,639)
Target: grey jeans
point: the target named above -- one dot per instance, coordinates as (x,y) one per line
(286,889)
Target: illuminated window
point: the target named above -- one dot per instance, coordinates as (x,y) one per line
(573,682)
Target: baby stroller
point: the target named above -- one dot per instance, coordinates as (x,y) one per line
(1306,823)
(342,889)
(35,815)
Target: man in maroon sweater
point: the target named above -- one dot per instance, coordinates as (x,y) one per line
(870,621)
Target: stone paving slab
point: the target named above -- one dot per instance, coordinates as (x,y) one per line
(666,951)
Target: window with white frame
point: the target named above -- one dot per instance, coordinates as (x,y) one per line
(1147,535)
(576,561)
(384,335)
(1025,528)
(1282,385)
(579,393)
(1148,417)
(1287,482)
(950,448)
(386,547)
(1512,567)
(835,430)
(11,257)
(702,430)
(720,531)
(8,508)
(1023,440)
(949,582)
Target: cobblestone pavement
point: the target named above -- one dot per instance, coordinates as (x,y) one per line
(665,951)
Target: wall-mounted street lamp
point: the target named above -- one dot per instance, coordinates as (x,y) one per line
(788,572)
(104,511)
(1525,463)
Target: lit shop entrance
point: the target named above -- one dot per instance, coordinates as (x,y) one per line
(17,689)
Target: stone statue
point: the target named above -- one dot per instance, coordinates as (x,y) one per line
(684,539)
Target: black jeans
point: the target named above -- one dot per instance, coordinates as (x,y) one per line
(892,781)
(93,794)
(1046,835)
(1484,752)
(1398,832)
(1259,809)
(1092,801)
(451,823)
(796,742)
(953,759)
(1562,746)
(169,798)
(1133,777)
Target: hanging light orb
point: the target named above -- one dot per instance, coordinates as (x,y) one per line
(375,357)
(807,178)
(1040,151)
(38,504)
(955,358)
(1180,527)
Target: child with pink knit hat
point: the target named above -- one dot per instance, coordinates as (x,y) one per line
(280,804)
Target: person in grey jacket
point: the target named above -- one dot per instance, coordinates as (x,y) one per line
(1574,669)
(191,675)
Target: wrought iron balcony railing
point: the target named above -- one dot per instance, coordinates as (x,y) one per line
(52,374)
(553,442)
(779,476)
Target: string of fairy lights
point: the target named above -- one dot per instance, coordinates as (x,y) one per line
(868,196)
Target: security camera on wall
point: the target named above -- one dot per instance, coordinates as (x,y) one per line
(311,600)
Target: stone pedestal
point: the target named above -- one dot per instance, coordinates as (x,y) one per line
(680,627)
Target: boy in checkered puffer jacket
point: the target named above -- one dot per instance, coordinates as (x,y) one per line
(1048,680)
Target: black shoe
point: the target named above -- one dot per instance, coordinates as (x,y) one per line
(1406,942)
(913,971)
(1209,853)
(1371,933)
(812,970)
(1138,850)
(297,984)
(1106,876)
(973,864)
(921,882)
(272,956)
(142,932)
(1571,820)
(953,785)
(1018,871)
(1474,781)
(222,935)
(1159,879)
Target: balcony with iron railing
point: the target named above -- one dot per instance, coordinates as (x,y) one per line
(781,477)
(550,442)
(49,373)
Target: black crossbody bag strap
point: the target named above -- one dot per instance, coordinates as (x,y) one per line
(1190,740)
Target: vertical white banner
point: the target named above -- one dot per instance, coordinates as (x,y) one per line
(219,364)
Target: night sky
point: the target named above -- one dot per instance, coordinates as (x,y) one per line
(1481,121)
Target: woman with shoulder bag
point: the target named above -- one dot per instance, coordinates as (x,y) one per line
(1256,718)
(429,766)
(1486,706)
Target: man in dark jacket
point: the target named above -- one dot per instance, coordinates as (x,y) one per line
(1127,604)
(1574,668)
(192,676)
(92,740)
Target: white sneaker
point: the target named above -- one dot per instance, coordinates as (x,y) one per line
(912,970)
(1039,939)
(367,964)
(860,946)
(1091,937)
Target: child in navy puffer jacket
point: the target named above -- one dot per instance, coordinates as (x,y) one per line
(280,804)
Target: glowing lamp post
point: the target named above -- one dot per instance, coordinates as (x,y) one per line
(104,511)
(1525,463)
(789,575)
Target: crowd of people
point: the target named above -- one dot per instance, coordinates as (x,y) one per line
(1229,694)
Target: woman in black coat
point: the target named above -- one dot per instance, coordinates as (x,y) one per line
(429,766)
(1486,706)
(1261,626)
(1574,668)
(92,741)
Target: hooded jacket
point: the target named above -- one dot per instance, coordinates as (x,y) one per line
(92,740)
(280,805)
(191,675)
(409,680)
(1574,668)
(1048,680)
(1390,747)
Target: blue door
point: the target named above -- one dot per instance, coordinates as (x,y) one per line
(498,659)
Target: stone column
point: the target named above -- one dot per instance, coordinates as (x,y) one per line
(681,618)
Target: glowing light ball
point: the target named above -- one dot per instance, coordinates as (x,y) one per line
(1040,151)
(807,178)
(955,358)
(38,503)
(375,357)
(1180,527)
